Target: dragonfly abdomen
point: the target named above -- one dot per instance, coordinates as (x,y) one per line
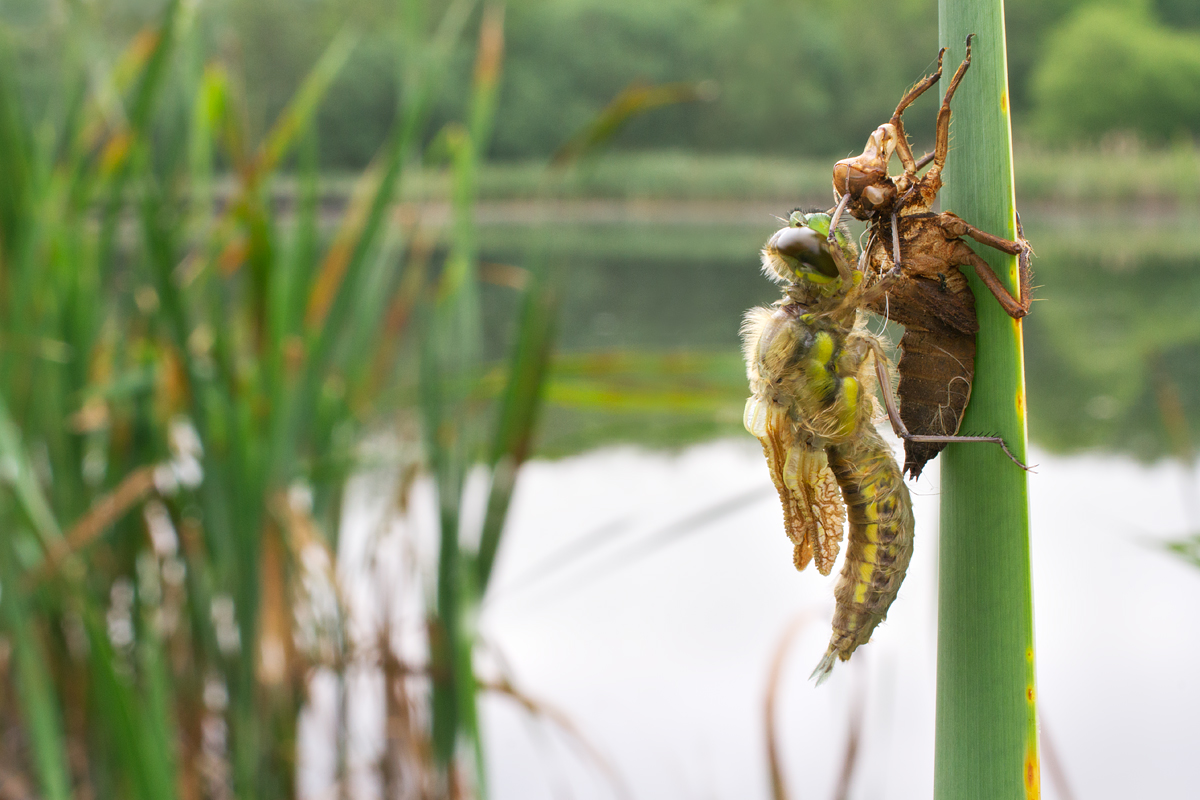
(880,543)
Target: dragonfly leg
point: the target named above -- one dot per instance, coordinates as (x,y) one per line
(941,146)
(836,217)
(895,243)
(902,147)
(1024,271)
(957,226)
(898,426)
(956,438)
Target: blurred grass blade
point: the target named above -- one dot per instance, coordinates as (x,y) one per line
(771,703)
(208,113)
(986,733)
(450,371)
(1187,549)
(329,295)
(528,364)
(142,746)
(16,163)
(24,481)
(634,99)
(144,99)
(299,112)
(339,283)
(527,369)
(645,545)
(35,680)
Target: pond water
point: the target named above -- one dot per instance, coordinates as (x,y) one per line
(645,581)
(658,644)
(1112,345)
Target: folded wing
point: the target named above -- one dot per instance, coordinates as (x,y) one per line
(813,512)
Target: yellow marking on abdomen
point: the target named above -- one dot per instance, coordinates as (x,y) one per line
(822,349)
(870,508)
(818,377)
(864,582)
(849,412)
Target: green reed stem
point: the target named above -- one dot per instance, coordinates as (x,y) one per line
(986,739)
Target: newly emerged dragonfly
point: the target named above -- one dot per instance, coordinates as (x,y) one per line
(911,262)
(813,372)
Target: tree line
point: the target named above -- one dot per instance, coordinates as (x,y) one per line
(791,77)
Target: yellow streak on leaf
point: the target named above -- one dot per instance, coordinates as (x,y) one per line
(1033,773)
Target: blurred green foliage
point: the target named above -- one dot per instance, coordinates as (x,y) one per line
(194,362)
(1112,68)
(793,78)
(190,373)
(1114,351)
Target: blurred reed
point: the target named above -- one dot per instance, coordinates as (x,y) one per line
(190,374)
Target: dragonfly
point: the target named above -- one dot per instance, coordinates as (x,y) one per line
(912,262)
(813,370)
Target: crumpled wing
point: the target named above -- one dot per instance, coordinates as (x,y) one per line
(813,513)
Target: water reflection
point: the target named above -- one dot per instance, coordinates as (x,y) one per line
(1113,353)
(651,313)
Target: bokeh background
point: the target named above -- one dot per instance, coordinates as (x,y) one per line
(370,398)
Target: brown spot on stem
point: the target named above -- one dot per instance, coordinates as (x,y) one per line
(1033,774)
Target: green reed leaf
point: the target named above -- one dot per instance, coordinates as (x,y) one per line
(986,740)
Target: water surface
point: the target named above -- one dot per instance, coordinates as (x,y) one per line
(645,580)
(1112,344)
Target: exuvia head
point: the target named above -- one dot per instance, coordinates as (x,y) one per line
(865,177)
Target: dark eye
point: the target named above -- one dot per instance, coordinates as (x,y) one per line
(808,247)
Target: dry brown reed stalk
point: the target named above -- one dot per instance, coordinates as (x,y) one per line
(133,489)
(407,735)
(507,275)
(13,786)
(853,740)
(337,259)
(422,239)
(276,658)
(406,767)
(297,532)
(771,701)
(540,709)
(770,713)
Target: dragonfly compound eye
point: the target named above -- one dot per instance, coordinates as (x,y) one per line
(808,247)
